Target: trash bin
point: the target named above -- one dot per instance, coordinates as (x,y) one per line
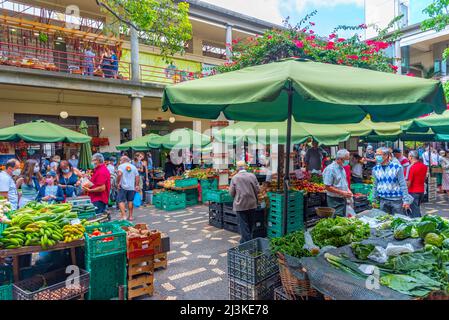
(149,196)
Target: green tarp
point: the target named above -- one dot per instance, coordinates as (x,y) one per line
(40,131)
(85,150)
(151,141)
(322,93)
(184,138)
(275,132)
(439,124)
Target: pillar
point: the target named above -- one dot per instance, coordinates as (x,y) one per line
(228,42)
(135,67)
(397,45)
(136,116)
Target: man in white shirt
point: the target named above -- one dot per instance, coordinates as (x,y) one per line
(434,157)
(8,187)
(128,182)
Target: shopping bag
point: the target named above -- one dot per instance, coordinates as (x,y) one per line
(137,200)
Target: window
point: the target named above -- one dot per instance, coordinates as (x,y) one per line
(214,50)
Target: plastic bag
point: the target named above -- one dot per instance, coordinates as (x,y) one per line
(395,250)
(308,242)
(379,254)
(137,200)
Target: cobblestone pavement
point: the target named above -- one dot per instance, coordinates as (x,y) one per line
(197,262)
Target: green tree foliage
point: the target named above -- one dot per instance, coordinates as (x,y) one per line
(301,41)
(161,23)
(438,12)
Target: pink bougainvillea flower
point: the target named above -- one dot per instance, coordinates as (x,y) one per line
(310,38)
(299,44)
(395,68)
(330,46)
(270,37)
(363,26)
(312,23)
(409,74)
(332,36)
(341,40)
(365,58)
(352,57)
(311,31)
(340,61)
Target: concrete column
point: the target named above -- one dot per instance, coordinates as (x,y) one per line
(136,116)
(135,67)
(397,45)
(228,41)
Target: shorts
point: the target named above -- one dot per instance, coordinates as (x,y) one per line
(125,195)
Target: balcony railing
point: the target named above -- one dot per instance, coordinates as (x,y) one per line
(81,64)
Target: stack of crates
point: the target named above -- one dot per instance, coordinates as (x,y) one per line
(6,279)
(105,258)
(311,202)
(295,213)
(230,220)
(191,197)
(169,201)
(253,271)
(207,185)
(216,215)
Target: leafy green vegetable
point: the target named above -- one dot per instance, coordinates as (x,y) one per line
(441,224)
(362,251)
(412,261)
(446,244)
(416,284)
(403,231)
(434,239)
(397,222)
(291,244)
(339,232)
(425,227)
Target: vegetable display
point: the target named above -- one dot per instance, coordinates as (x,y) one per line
(291,244)
(339,232)
(362,251)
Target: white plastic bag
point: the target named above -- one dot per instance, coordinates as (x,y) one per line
(394,250)
(379,255)
(308,242)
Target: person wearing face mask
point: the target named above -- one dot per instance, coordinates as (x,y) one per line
(68,179)
(29,182)
(390,187)
(8,188)
(416,178)
(50,191)
(336,183)
(74,161)
(101,180)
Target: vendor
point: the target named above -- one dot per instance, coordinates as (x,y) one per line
(68,178)
(50,191)
(170,168)
(335,181)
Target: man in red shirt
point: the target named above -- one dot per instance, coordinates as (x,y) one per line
(402,160)
(416,178)
(101,179)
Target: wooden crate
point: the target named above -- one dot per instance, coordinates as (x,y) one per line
(140,277)
(160,261)
(139,266)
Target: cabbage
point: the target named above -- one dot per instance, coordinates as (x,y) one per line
(403,231)
(433,239)
(426,227)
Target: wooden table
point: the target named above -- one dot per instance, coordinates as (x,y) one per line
(177,188)
(16,253)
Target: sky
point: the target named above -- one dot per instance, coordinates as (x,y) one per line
(331,13)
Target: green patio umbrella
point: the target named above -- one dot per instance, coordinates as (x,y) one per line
(41,131)
(368,127)
(184,138)
(85,150)
(262,132)
(150,141)
(439,124)
(308,92)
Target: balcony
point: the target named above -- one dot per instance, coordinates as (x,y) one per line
(80,64)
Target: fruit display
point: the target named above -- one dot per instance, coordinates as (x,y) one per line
(84,208)
(5,207)
(73,232)
(201,174)
(98,233)
(307,186)
(168,184)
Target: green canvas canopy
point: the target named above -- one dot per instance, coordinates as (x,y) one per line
(264,132)
(41,131)
(85,150)
(184,138)
(368,128)
(305,91)
(438,123)
(150,141)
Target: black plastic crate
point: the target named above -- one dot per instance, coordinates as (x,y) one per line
(228,207)
(252,261)
(264,290)
(230,217)
(313,200)
(55,285)
(229,226)
(216,206)
(216,215)
(260,232)
(279,294)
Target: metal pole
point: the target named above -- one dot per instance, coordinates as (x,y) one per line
(287,164)
(430,174)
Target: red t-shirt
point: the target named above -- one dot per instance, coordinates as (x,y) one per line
(417,177)
(348,175)
(101,176)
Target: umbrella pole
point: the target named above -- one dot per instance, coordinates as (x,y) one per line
(287,164)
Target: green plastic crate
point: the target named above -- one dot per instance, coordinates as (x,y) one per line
(6,292)
(361,188)
(123,223)
(106,275)
(278,218)
(87,215)
(96,248)
(296,197)
(218,196)
(209,184)
(183,183)
(276,231)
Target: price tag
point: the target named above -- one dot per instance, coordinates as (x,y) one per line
(75,221)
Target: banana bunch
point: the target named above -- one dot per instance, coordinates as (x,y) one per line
(22,221)
(43,233)
(12,238)
(73,232)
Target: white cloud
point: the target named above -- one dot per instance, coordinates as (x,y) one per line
(268,10)
(302,4)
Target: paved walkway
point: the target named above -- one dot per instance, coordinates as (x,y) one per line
(197,267)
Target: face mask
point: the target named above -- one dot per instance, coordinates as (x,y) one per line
(36,169)
(66,170)
(49,181)
(17,172)
(379,159)
(345,163)
(93,165)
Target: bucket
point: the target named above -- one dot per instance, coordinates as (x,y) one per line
(149,196)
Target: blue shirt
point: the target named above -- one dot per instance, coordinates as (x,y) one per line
(8,185)
(335,176)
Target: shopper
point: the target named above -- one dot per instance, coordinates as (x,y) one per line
(357,169)
(313,158)
(68,179)
(335,181)
(142,168)
(45,164)
(111,165)
(54,165)
(29,182)
(402,160)
(8,188)
(74,161)
(128,183)
(389,185)
(244,188)
(370,158)
(50,191)
(445,167)
(416,179)
(101,184)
